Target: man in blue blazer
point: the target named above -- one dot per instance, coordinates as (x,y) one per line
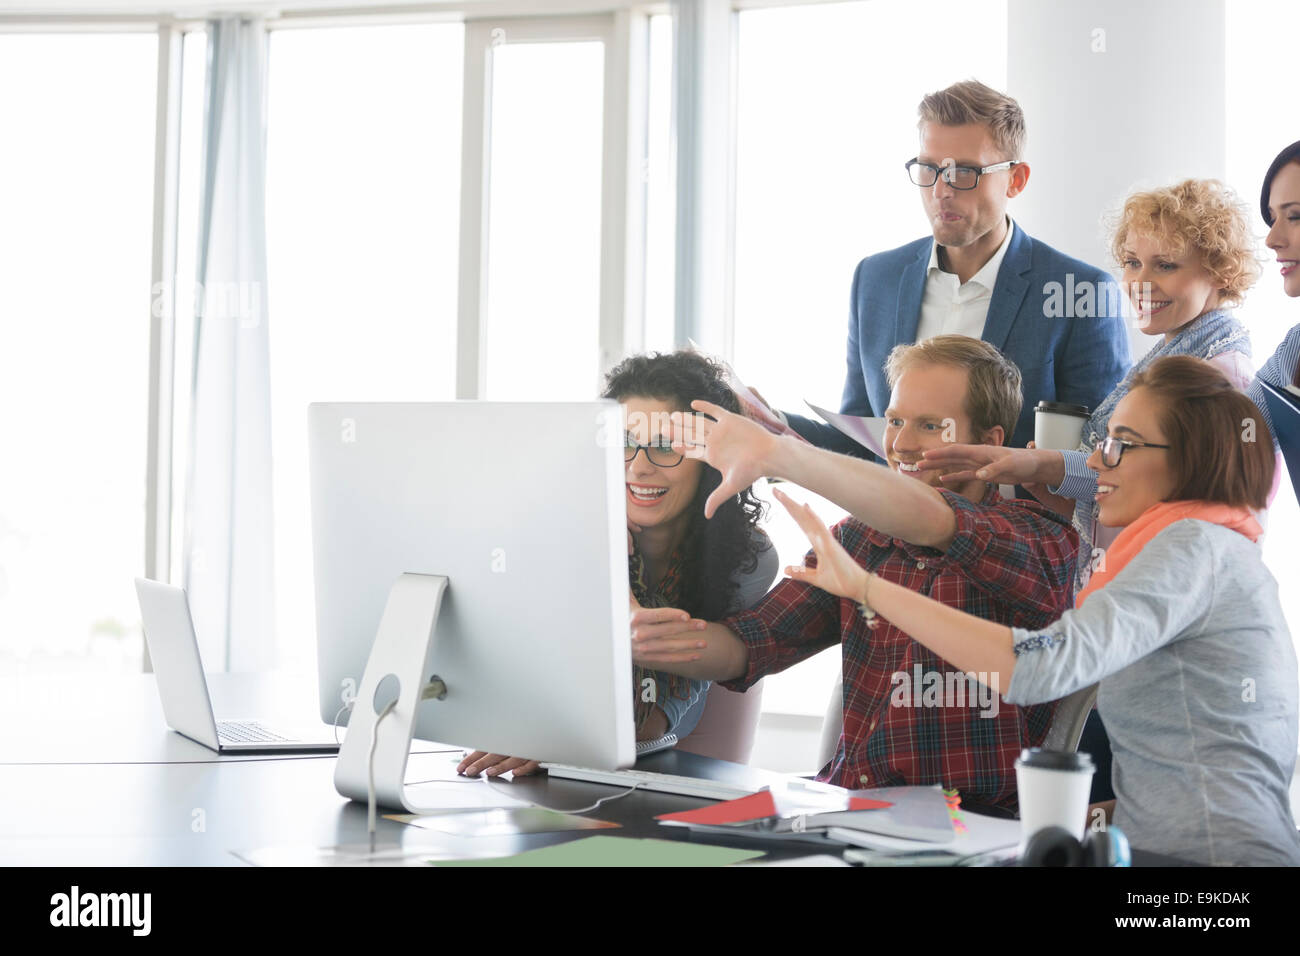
(1059,319)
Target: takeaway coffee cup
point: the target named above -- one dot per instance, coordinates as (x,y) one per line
(1059,425)
(1054,786)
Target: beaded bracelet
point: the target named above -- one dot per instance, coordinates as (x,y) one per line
(864,606)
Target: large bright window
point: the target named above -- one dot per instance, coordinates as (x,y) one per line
(75,231)
(543,258)
(826,117)
(363,186)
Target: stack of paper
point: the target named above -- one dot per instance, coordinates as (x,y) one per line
(912,814)
(977,836)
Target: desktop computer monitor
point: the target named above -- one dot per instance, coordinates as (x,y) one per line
(522,506)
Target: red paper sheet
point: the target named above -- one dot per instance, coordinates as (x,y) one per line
(753,807)
(862,803)
(756,806)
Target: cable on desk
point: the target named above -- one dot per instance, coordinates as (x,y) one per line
(370,789)
(615,796)
(528,800)
(491,780)
(347,705)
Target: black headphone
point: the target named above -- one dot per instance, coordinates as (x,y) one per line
(1057,846)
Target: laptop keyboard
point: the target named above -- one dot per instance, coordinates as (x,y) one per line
(246,732)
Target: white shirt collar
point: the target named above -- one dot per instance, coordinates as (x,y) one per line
(988,273)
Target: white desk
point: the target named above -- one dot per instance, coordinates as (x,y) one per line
(93,777)
(77,718)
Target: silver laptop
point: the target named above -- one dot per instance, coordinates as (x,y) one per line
(174,650)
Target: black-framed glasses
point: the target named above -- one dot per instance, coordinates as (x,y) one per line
(958,177)
(660,454)
(1112,449)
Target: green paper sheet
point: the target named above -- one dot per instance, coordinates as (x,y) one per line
(617,851)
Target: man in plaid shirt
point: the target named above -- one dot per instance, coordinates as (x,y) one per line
(909,717)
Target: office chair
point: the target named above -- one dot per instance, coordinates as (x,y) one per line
(728,726)
(1063,734)
(1067,723)
(832,725)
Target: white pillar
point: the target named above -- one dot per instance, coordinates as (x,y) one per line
(704,71)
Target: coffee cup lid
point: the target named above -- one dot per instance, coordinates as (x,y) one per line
(1062,408)
(1042,759)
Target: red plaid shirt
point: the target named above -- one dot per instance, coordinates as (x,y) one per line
(1010,562)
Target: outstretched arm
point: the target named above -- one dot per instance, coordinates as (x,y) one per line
(968,643)
(669,639)
(997,463)
(743,452)
(1033,468)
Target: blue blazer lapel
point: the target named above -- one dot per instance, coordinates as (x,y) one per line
(911,287)
(1009,290)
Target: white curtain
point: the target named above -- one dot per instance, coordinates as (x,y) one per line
(228,541)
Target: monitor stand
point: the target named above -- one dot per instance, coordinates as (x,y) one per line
(394,674)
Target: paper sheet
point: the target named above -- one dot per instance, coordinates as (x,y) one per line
(981,834)
(862,803)
(756,806)
(754,406)
(867,432)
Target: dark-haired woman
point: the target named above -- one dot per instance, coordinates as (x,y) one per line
(1182,628)
(676,558)
(1279,204)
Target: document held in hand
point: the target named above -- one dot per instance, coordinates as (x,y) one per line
(754,407)
(867,432)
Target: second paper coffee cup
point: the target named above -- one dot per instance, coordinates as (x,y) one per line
(1059,425)
(1054,786)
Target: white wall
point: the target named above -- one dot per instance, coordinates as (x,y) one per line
(1118,95)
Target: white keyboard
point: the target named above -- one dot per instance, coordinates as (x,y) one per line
(648,780)
(247,732)
(645,748)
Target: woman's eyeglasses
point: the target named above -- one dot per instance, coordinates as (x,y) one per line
(1112,449)
(660,454)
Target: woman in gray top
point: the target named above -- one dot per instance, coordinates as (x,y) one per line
(1181,625)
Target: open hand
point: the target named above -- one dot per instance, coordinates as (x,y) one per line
(734,445)
(836,570)
(993,463)
(665,635)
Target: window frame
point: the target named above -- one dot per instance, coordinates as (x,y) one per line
(622,234)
